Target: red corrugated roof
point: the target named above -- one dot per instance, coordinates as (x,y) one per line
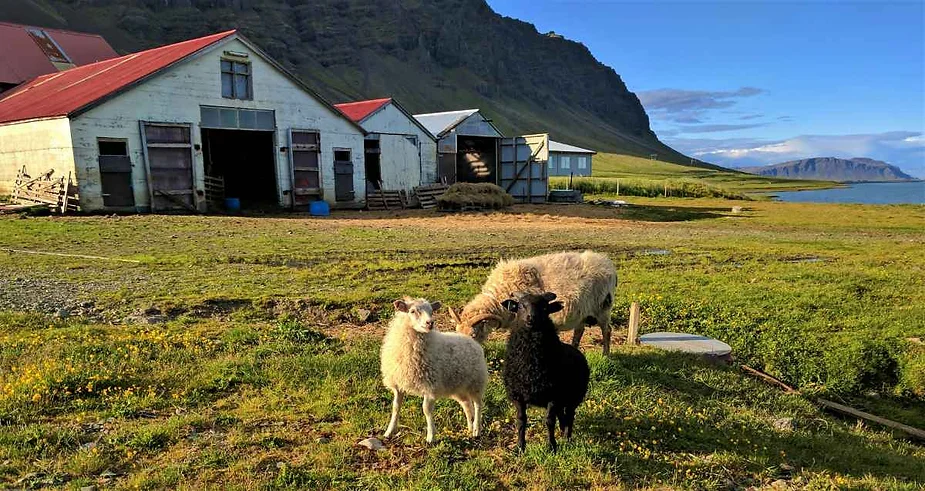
(63,93)
(21,58)
(358,111)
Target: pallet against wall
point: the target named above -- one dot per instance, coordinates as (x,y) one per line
(428,194)
(383,199)
(56,193)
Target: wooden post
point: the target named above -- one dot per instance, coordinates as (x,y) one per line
(666,189)
(632,332)
(618,186)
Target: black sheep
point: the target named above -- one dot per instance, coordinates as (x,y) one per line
(540,370)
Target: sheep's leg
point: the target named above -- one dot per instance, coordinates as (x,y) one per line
(429,416)
(605,332)
(551,411)
(569,414)
(476,415)
(563,422)
(576,335)
(396,406)
(521,408)
(467,409)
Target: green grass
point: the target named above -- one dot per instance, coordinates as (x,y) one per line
(261,378)
(614,166)
(642,187)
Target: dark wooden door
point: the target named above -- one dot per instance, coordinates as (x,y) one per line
(343,176)
(116,180)
(305,159)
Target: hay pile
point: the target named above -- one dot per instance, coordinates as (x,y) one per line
(469,196)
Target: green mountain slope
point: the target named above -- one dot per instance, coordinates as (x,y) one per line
(431,55)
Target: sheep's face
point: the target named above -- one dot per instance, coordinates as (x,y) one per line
(475,324)
(528,308)
(420,311)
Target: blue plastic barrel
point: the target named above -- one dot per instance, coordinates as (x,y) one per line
(232,204)
(319,208)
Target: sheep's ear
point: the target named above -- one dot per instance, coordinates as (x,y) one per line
(549,296)
(555,307)
(400,306)
(454,316)
(434,306)
(510,305)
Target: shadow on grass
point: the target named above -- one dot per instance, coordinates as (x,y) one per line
(814,444)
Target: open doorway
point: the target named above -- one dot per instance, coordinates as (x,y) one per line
(476,159)
(245,160)
(372,164)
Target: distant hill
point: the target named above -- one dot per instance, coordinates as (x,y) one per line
(833,169)
(434,55)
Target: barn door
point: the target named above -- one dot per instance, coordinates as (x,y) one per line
(168,151)
(305,161)
(343,175)
(115,173)
(523,167)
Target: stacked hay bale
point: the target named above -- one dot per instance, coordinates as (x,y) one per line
(464,196)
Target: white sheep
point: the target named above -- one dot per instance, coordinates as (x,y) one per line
(417,359)
(583,281)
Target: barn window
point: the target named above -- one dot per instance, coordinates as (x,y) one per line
(564,162)
(113,147)
(552,162)
(236,80)
(582,162)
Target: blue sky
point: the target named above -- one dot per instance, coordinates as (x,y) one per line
(748,82)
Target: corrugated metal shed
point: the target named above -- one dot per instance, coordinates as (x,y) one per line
(358,111)
(441,123)
(555,146)
(64,93)
(23,56)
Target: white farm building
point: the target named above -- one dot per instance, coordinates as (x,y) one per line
(151,130)
(400,152)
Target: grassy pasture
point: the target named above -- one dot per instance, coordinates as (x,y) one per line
(608,167)
(256,373)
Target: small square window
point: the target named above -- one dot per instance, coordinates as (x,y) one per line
(564,162)
(342,155)
(582,162)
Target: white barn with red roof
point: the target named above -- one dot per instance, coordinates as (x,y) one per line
(159,129)
(400,152)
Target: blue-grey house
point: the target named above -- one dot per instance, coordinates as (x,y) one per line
(567,160)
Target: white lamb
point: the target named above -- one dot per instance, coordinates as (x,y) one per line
(419,360)
(583,281)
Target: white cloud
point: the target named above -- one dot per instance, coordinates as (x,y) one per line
(905,149)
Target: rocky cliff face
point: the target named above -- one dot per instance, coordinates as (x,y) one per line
(431,55)
(833,169)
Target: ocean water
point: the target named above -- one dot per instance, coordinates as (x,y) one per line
(879,193)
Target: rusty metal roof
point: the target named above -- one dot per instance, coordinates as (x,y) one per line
(64,93)
(30,51)
(358,111)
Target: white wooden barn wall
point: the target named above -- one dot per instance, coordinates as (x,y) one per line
(399,171)
(38,145)
(175,95)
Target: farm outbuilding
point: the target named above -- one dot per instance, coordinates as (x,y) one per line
(178,126)
(470,148)
(30,51)
(400,153)
(565,160)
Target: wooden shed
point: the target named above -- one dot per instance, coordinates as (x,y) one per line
(172,127)
(470,148)
(400,153)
